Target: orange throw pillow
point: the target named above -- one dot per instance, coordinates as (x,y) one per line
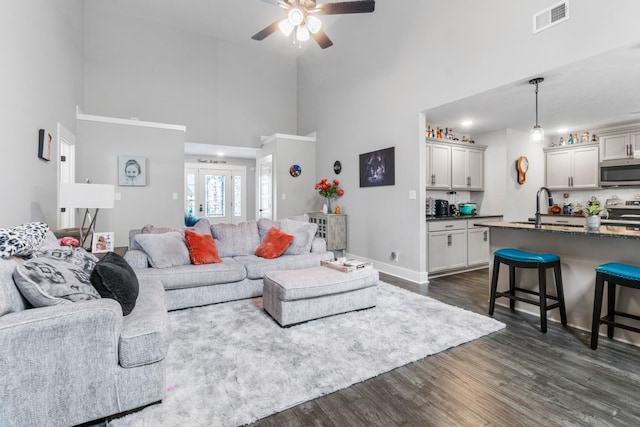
(274,244)
(202,248)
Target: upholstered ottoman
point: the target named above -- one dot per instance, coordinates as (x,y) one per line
(295,296)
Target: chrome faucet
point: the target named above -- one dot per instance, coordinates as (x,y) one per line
(538,220)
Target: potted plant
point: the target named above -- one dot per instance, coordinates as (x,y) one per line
(593,213)
(330,190)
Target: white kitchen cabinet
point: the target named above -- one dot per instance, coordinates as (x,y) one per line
(477,245)
(572,167)
(447,245)
(619,145)
(438,166)
(467,168)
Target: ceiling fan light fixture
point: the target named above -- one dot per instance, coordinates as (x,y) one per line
(286,27)
(296,16)
(313,24)
(302,33)
(537,133)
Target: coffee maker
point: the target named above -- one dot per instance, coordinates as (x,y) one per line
(442,207)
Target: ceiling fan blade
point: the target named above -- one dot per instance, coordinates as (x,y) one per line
(364,6)
(322,39)
(267,31)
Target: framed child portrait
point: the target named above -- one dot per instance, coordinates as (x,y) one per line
(132,171)
(102,242)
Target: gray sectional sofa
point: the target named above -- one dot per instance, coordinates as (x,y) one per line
(240,273)
(75,362)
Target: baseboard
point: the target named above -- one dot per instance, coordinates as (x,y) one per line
(418,277)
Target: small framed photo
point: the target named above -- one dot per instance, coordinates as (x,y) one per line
(44,145)
(102,242)
(132,171)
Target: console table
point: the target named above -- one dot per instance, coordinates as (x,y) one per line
(332,228)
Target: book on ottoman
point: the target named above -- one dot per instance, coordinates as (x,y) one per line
(347,265)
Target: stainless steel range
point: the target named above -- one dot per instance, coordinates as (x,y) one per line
(623,212)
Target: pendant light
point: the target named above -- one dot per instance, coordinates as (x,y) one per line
(537,133)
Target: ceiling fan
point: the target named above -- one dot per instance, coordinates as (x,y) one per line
(301,18)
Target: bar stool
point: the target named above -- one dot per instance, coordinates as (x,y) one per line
(614,274)
(521,259)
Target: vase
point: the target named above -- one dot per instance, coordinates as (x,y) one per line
(593,223)
(329,209)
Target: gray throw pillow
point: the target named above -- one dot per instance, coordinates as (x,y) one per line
(164,250)
(264,225)
(56,276)
(303,233)
(236,239)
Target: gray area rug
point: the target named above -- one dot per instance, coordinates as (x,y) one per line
(231,364)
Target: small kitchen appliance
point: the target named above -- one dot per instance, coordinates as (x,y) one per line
(442,207)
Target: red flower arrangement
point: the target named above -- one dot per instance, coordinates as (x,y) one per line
(328,189)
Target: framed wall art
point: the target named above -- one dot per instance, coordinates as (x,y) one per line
(44,145)
(102,242)
(377,168)
(132,171)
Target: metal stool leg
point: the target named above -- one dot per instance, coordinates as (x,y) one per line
(611,306)
(560,291)
(542,283)
(494,285)
(597,309)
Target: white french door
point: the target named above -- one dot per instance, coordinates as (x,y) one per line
(265,188)
(66,172)
(218,194)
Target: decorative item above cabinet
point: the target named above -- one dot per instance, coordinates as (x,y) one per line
(454,166)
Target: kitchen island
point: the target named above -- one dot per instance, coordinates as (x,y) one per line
(580,252)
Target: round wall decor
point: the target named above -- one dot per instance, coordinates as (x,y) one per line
(295,171)
(337,167)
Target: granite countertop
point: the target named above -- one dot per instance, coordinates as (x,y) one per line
(615,231)
(455,217)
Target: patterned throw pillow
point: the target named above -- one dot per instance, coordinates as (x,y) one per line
(22,240)
(56,276)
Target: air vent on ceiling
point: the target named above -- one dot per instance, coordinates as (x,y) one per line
(550,16)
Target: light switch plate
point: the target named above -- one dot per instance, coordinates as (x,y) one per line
(412,194)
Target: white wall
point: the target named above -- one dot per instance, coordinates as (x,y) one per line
(41,83)
(100,144)
(225,94)
(366,92)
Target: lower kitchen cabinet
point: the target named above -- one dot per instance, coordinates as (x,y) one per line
(457,245)
(447,245)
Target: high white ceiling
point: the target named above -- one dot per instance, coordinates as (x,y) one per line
(588,95)
(596,93)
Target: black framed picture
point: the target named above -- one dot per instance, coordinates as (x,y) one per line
(377,168)
(44,145)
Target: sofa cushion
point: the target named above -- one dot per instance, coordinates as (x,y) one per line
(256,266)
(114,278)
(236,239)
(191,276)
(22,240)
(203,226)
(202,248)
(274,244)
(164,250)
(56,276)
(303,233)
(146,332)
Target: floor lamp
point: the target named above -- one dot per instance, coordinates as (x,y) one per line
(87,196)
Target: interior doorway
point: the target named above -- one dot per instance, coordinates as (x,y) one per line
(265,187)
(66,172)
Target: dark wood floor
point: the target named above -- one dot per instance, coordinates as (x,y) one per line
(514,377)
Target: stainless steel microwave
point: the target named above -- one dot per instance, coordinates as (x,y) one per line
(620,172)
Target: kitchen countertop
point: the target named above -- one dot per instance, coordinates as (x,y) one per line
(604,230)
(455,217)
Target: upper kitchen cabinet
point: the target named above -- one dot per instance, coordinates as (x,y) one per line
(572,167)
(438,166)
(467,168)
(452,165)
(620,145)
